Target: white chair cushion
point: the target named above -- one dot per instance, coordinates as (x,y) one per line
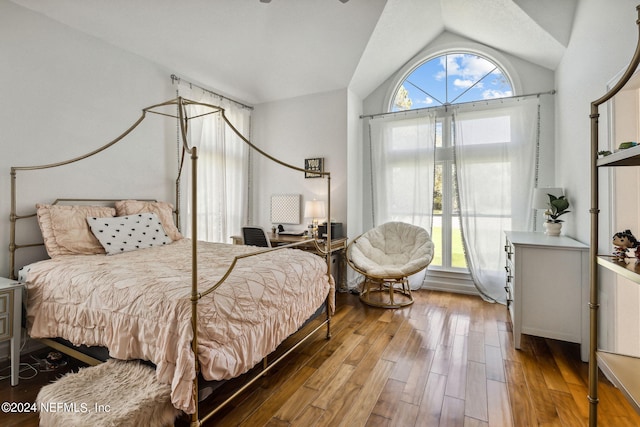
(393,249)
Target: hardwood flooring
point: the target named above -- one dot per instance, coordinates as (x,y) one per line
(447,360)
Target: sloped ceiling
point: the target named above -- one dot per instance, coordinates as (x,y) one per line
(260,52)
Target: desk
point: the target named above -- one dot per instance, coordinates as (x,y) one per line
(338,247)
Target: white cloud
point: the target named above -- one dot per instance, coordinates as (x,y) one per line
(467,66)
(492,93)
(463,84)
(426,101)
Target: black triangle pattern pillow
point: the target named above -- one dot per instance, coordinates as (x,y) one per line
(128,233)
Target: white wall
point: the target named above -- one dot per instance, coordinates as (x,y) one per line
(63,94)
(293,130)
(602,44)
(354,168)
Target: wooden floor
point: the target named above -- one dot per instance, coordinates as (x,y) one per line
(447,360)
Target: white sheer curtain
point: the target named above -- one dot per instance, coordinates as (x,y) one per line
(495,157)
(223,168)
(402,162)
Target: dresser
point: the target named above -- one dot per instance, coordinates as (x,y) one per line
(547,287)
(11,321)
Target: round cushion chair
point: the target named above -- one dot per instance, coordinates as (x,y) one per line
(386,256)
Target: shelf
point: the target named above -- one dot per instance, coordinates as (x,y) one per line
(630,269)
(627,157)
(623,372)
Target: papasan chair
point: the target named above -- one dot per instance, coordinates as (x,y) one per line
(386,256)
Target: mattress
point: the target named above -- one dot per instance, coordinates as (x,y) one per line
(138,305)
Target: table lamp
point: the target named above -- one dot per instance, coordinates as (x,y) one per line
(314,209)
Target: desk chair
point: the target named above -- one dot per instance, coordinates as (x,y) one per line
(255,236)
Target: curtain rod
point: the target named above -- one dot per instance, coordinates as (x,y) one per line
(486,101)
(175,78)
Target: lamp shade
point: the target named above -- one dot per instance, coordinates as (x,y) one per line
(541,196)
(314,209)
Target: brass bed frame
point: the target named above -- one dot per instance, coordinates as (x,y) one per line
(180,107)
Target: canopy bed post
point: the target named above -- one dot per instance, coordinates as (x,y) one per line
(183,120)
(328,245)
(194,280)
(12,227)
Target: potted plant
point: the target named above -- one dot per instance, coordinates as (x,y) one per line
(557,207)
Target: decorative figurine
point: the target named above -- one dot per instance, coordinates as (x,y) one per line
(622,241)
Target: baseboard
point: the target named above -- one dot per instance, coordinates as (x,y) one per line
(457,288)
(446,281)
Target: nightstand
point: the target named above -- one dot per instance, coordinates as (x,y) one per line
(11,321)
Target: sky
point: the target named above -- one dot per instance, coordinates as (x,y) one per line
(455,78)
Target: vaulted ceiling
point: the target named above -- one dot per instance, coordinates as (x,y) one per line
(260,52)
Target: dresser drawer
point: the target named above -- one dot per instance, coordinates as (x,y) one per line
(6,302)
(508,286)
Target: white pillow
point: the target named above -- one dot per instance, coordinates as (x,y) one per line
(128,233)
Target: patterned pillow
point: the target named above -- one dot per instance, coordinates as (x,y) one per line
(128,233)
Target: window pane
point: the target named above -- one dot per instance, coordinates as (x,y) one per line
(451,79)
(436,238)
(490,130)
(437,216)
(457,249)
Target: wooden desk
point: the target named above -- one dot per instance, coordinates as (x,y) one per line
(337,247)
(285,239)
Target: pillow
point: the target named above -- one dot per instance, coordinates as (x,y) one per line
(128,233)
(164,211)
(65,229)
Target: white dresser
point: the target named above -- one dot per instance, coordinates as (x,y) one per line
(547,287)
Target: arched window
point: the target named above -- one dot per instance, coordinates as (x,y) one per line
(451,78)
(447,79)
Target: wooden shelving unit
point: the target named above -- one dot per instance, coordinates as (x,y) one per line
(626,157)
(623,370)
(630,269)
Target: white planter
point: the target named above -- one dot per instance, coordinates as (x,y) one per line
(552,228)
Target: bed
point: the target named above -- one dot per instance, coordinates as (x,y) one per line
(168,298)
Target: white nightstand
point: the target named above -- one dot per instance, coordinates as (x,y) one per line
(11,321)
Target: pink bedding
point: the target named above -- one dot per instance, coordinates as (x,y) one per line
(137,304)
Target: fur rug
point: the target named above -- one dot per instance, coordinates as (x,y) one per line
(115,393)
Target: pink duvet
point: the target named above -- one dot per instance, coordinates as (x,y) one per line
(137,304)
